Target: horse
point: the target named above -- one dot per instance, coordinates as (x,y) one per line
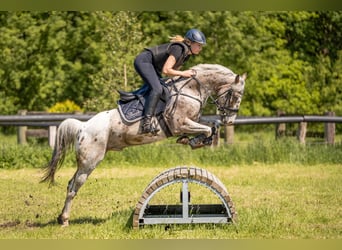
(108,130)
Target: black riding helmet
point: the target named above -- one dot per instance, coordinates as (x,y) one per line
(195,35)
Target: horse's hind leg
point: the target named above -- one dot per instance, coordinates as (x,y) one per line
(84,169)
(74,185)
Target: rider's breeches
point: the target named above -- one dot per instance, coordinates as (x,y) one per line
(143,65)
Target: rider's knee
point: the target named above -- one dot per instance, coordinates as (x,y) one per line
(156,93)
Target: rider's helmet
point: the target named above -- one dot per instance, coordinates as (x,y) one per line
(195,35)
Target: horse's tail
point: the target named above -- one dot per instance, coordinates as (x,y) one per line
(66,135)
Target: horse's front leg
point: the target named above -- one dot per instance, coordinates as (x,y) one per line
(191,127)
(204,137)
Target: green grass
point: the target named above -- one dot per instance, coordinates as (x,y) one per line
(249,148)
(280,188)
(279,201)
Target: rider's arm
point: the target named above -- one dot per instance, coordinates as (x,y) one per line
(169,71)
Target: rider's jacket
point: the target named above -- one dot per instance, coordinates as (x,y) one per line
(161,52)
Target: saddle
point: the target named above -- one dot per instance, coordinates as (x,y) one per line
(131,104)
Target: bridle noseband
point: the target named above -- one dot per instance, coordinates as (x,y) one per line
(225,107)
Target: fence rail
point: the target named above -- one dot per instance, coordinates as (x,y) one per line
(45,120)
(51,121)
(273,120)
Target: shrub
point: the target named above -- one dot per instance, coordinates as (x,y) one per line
(65,107)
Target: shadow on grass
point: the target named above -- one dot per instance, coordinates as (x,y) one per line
(27,223)
(77,221)
(119,215)
(189,226)
(129,223)
(33,224)
(88,220)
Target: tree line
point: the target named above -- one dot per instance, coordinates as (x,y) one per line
(293,58)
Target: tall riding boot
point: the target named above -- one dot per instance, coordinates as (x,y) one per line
(150,106)
(146,124)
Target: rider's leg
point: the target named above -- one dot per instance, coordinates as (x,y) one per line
(150,107)
(143,65)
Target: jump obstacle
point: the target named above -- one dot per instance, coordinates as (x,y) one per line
(186,213)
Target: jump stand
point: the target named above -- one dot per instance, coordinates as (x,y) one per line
(186,213)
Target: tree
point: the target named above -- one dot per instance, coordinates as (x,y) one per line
(120,32)
(48,57)
(316,37)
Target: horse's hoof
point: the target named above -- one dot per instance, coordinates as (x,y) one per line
(62,221)
(183,140)
(198,141)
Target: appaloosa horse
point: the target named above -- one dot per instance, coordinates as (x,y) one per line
(109,130)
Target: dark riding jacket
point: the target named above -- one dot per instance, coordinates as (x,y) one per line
(161,52)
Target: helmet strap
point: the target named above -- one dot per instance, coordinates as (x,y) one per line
(189,46)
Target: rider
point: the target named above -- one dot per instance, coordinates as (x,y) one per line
(165,59)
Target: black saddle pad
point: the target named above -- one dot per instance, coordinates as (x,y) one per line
(131,104)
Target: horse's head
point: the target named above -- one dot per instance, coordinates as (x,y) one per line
(229,98)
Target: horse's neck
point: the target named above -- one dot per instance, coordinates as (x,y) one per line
(195,86)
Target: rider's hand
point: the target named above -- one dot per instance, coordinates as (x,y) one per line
(188,73)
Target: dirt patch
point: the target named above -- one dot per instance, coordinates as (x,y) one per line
(15,223)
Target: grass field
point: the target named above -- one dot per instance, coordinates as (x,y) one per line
(273,201)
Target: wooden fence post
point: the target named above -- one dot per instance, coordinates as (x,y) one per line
(229,134)
(21,131)
(301,132)
(52,136)
(329,129)
(280,130)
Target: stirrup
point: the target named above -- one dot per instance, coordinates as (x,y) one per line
(148,127)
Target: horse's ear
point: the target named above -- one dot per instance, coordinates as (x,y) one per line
(237,79)
(244,76)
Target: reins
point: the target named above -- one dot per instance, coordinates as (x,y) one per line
(178,92)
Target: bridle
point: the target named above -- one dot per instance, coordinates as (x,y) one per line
(224,108)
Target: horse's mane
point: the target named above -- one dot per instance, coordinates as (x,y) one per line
(219,70)
(213,67)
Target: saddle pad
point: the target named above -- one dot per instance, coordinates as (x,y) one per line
(133,111)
